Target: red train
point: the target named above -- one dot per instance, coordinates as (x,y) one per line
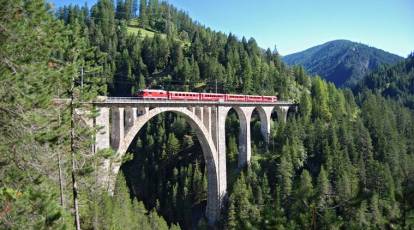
(154,94)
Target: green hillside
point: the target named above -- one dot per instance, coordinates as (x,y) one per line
(341,61)
(395,82)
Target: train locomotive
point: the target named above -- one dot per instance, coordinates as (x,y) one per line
(154,94)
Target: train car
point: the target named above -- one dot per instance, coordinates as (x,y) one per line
(269,98)
(254,98)
(152,94)
(212,97)
(235,97)
(191,96)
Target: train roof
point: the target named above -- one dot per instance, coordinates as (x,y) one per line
(153,90)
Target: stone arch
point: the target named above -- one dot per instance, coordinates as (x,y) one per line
(265,113)
(244,113)
(214,192)
(282,112)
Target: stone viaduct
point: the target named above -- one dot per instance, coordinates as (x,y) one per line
(120,119)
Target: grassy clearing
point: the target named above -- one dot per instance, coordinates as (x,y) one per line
(143,32)
(133,28)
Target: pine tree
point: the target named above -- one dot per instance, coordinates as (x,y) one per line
(274,216)
(362,219)
(303,203)
(143,13)
(122,216)
(140,217)
(52,61)
(231,217)
(323,188)
(285,170)
(197,187)
(320,100)
(172,144)
(129,10)
(120,11)
(141,84)
(375,212)
(157,222)
(246,75)
(305,106)
(232,149)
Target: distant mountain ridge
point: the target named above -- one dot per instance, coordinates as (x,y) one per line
(342,62)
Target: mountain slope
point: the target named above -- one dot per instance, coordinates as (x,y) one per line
(395,82)
(342,62)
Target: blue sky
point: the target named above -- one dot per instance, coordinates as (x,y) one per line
(294,25)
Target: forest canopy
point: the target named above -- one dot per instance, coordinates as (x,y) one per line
(343,160)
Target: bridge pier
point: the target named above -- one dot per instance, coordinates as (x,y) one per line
(282,112)
(102,141)
(207,118)
(117,126)
(265,113)
(218,133)
(130,117)
(245,150)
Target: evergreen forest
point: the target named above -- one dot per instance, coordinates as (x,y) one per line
(343,160)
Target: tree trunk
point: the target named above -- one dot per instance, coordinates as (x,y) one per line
(72,153)
(62,196)
(61,186)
